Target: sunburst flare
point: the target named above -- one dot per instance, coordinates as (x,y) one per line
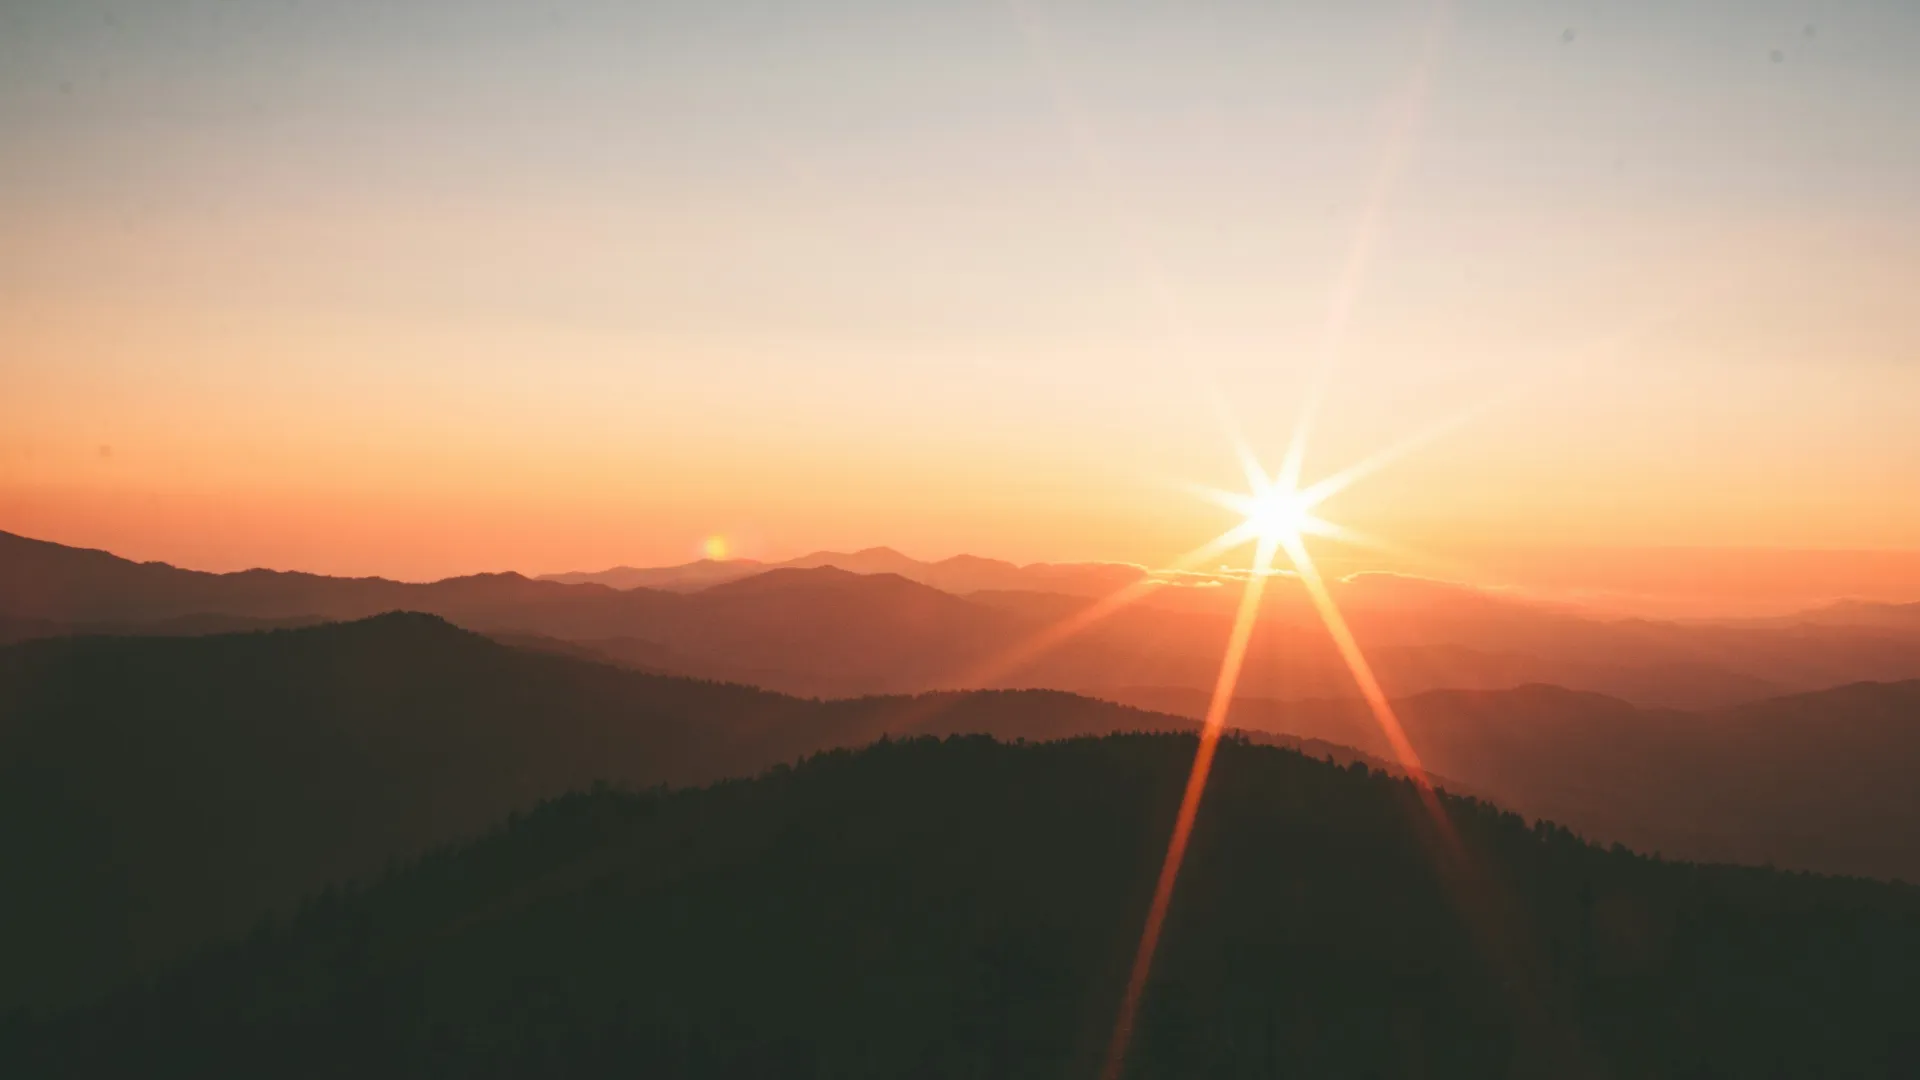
(1278,515)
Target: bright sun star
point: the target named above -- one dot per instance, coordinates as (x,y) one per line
(1278,515)
(1276,511)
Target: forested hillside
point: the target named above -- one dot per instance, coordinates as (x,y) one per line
(160,793)
(968,908)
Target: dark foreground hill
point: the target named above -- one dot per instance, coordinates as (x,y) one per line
(968,909)
(159,793)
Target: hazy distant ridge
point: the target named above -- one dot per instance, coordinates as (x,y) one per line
(830,631)
(960,574)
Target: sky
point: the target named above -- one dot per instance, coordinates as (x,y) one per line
(434,288)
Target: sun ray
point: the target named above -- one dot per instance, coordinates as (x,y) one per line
(1352,275)
(1279,519)
(1543,370)
(1250,467)
(1036,645)
(1426,562)
(1282,510)
(1011,659)
(1323,490)
(1348,647)
(1489,911)
(1220,497)
(1257,479)
(1210,728)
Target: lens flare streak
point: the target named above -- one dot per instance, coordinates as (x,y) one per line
(1012,659)
(1279,515)
(1362,671)
(1490,915)
(1210,730)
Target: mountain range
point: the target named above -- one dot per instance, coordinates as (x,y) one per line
(1818,781)
(159,793)
(960,574)
(832,631)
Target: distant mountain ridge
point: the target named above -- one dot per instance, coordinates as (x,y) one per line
(1852,613)
(1819,781)
(833,632)
(43,580)
(960,574)
(681,578)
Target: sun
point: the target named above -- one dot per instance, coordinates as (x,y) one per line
(1279,515)
(1275,512)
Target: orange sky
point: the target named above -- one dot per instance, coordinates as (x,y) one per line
(450,293)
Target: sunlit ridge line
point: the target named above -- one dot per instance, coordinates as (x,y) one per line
(1210,729)
(1325,489)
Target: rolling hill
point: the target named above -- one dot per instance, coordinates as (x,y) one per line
(158,793)
(967,908)
(1819,781)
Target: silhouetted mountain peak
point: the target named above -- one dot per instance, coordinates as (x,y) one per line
(1852,699)
(416,623)
(824,580)
(1858,613)
(785,577)
(978,562)
(873,560)
(699,573)
(511,576)
(958,574)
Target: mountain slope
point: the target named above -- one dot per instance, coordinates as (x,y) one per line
(1820,781)
(40,580)
(158,793)
(968,908)
(1855,613)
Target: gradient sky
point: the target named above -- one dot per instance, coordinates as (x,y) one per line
(428,288)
